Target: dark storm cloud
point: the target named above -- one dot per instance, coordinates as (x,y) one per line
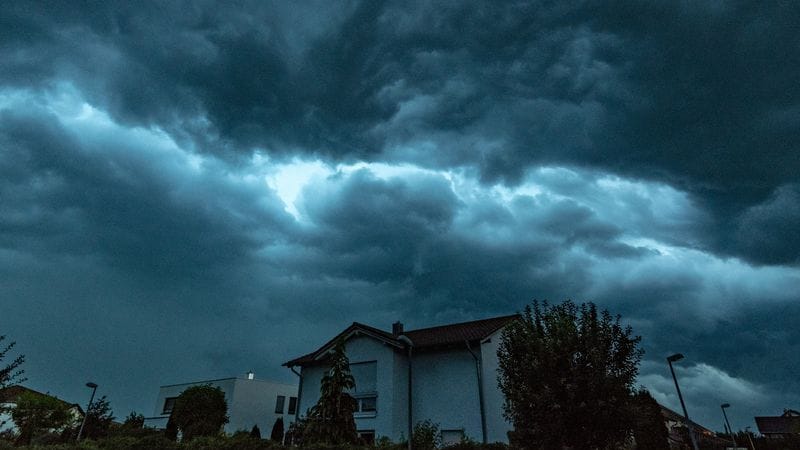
(643,138)
(139,209)
(702,96)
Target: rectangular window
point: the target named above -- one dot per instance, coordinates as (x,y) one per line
(367,437)
(452,437)
(279,404)
(366,406)
(292,405)
(169,403)
(365,376)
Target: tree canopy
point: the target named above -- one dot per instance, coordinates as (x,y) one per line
(35,413)
(331,421)
(200,411)
(98,419)
(567,373)
(649,431)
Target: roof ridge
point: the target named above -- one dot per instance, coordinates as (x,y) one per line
(469,322)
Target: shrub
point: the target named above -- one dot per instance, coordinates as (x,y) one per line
(426,436)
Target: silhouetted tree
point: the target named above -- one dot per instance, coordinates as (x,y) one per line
(277,430)
(426,436)
(134,420)
(10,374)
(567,374)
(331,421)
(35,413)
(255,432)
(98,419)
(171,430)
(649,431)
(200,411)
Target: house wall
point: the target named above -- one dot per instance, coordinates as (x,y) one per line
(400,389)
(445,388)
(364,349)
(497,427)
(445,391)
(250,402)
(253,403)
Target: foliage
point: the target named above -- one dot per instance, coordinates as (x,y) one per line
(567,374)
(98,419)
(11,374)
(171,431)
(331,421)
(294,435)
(35,413)
(255,432)
(241,441)
(277,430)
(426,436)
(649,430)
(134,420)
(200,411)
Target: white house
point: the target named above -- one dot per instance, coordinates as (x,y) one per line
(450,371)
(250,402)
(8,401)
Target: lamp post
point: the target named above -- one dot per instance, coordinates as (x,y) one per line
(86,414)
(749,438)
(671,359)
(730,430)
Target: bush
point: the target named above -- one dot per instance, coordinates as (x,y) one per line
(426,436)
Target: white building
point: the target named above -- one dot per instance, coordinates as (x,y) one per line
(250,402)
(451,372)
(8,401)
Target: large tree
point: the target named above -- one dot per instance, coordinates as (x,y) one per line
(200,411)
(331,421)
(34,413)
(10,374)
(567,374)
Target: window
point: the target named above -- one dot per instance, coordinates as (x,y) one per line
(292,405)
(169,404)
(366,406)
(452,437)
(367,437)
(279,404)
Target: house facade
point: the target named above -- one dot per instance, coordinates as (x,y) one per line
(445,374)
(780,427)
(8,401)
(250,402)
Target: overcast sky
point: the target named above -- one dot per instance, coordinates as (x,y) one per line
(191,191)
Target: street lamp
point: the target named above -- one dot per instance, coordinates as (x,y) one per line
(671,359)
(86,414)
(730,430)
(749,438)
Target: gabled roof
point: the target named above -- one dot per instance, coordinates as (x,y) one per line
(457,332)
(675,417)
(11,393)
(422,338)
(787,423)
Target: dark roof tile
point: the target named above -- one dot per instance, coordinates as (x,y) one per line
(423,338)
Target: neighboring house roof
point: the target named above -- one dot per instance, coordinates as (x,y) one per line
(675,417)
(422,338)
(11,393)
(787,423)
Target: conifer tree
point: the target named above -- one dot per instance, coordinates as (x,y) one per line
(331,421)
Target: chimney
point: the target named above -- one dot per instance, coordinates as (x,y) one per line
(250,375)
(397,328)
